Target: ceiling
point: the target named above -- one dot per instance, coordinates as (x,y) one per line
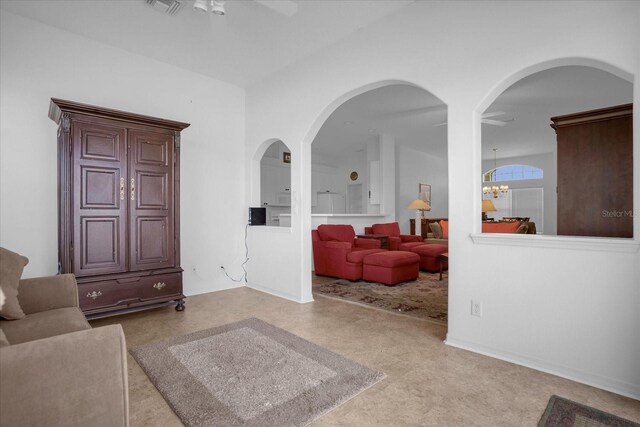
(409,113)
(250,42)
(396,110)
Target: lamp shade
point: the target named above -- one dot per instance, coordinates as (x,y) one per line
(419,204)
(488,206)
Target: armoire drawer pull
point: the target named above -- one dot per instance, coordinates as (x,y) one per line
(93,295)
(159,285)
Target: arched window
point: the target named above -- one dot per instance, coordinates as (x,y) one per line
(512,173)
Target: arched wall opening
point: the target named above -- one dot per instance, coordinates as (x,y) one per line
(270,184)
(519,131)
(392,206)
(275,184)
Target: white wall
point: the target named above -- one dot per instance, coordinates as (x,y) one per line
(39,62)
(416,167)
(548,163)
(560,305)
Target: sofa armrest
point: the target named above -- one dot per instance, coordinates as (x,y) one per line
(47,293)
(79,378)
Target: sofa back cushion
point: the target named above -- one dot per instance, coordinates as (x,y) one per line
(500,227)
(436,230)
(336,233)
(391,229)
(11,266)
(444,225)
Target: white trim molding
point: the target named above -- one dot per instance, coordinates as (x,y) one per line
(609,384)
(278,293)
(604,244)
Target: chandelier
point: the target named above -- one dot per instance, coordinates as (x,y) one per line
(495,190)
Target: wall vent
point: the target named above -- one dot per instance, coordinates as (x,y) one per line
(168,7)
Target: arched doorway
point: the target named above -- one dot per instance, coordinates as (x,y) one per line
(371,154)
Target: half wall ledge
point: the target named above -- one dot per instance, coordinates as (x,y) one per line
(603,244)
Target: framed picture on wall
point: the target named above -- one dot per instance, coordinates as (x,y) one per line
(286,157)
(424,192)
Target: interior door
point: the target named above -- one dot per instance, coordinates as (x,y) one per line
(99,198)
(151,212)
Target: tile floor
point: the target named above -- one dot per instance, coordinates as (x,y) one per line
(427,383)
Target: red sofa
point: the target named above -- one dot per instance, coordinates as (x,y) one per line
(397,241)
(337,253)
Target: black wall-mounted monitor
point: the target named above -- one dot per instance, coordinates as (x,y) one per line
(257,216)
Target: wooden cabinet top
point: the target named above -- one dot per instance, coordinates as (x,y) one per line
(58,106)
(582,117)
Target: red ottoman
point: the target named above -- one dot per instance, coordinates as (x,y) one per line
(429,257)
(408,246)
(391,267)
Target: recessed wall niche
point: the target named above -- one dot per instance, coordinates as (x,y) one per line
(275,183)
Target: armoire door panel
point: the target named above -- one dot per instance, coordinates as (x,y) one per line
(152,190)
(101,188)
(151,212)
(152,241)
(152,149)
(100,249)
(99,198)
(101,142)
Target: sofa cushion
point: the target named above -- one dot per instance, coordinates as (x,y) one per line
(391,229)
(500,227)
(444,225)
(45,324)
(338,233)
(11,266)
(436,229)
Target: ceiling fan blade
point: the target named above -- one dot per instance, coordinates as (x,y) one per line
(493,122)
(284,7)
(493,114)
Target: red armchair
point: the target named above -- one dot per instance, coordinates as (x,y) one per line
(337,253)
(397,241)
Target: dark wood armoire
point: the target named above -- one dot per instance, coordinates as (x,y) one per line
(595,172)
(118,207)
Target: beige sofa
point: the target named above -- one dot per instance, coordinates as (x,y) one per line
(54,368)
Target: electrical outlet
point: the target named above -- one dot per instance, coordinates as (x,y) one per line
(476,308)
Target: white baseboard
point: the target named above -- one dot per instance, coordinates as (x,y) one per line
(206,288)
(612,385)
(277,293)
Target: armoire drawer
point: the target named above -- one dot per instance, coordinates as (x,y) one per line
(121,292)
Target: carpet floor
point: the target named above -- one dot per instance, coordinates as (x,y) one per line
(562,412)
(425,298)
(250,373)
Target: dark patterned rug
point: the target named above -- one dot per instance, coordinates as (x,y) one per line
(425,298)
(565,413)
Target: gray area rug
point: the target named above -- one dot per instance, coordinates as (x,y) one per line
(250,373)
